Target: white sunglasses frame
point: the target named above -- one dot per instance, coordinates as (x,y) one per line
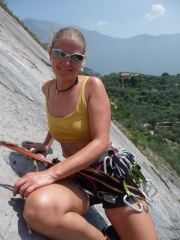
(68,55)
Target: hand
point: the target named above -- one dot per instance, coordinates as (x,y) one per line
(32,181)
(39,147)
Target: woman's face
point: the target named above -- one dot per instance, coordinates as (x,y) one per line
(65,68)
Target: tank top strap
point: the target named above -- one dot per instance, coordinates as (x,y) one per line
(83,89)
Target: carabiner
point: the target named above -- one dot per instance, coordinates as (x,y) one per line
(147,187)
(130,205)
(145,195)
(105,164)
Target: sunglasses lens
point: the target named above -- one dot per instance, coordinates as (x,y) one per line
(76,57)
(59,54)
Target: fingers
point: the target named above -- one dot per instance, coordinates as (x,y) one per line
(25,190)
(32,181)
(38,147)
(23,187)
(17,186)
(28,144)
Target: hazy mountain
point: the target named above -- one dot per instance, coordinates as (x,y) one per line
(142,54)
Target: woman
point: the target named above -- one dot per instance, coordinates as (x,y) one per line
(78,112)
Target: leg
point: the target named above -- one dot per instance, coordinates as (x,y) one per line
(56,210)
(131,225)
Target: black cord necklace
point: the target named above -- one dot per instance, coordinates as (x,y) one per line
(59,91)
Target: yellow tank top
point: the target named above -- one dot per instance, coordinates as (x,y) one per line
(73,128)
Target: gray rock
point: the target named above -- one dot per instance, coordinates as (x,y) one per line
(24,66)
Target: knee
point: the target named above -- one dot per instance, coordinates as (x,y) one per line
(44,217)
(36,207)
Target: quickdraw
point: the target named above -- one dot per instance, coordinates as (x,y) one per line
(144,185)
(130,194)
(120,174)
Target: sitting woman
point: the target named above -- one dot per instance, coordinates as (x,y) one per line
(78,113)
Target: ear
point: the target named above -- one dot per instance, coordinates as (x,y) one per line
(83,63)
(49,50)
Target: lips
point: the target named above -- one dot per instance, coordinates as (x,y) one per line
(65,69)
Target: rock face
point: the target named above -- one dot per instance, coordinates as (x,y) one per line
(24,66)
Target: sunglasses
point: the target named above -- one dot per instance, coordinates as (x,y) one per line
(60,54)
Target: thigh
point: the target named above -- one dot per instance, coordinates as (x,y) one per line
(58,198)
(131,225)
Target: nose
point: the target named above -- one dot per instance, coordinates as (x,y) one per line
(67,60)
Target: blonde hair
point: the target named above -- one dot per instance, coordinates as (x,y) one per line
(69,32)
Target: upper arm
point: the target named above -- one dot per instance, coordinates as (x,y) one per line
(98,109)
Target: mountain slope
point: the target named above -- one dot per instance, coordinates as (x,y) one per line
(140,54)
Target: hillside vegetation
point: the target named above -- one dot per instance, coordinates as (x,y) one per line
(148,107)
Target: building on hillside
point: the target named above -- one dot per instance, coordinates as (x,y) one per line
(124,76)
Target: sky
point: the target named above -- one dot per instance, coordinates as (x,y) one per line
(116,18)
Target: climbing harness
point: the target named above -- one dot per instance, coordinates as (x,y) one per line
(119,174)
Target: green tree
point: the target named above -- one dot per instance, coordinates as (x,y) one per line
(165,74)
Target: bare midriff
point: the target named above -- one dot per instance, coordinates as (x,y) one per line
(69,149)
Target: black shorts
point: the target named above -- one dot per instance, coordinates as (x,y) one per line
(107,205)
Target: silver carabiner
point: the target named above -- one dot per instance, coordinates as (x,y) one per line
(145,195)
(130,205)
(105,164)
(147,187)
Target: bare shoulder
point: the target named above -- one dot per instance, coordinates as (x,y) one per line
(94,82)
(45,86)
(95,89)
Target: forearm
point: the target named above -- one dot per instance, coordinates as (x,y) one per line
(80,160)
(48,141)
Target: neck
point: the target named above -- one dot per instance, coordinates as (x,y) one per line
(63,90)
